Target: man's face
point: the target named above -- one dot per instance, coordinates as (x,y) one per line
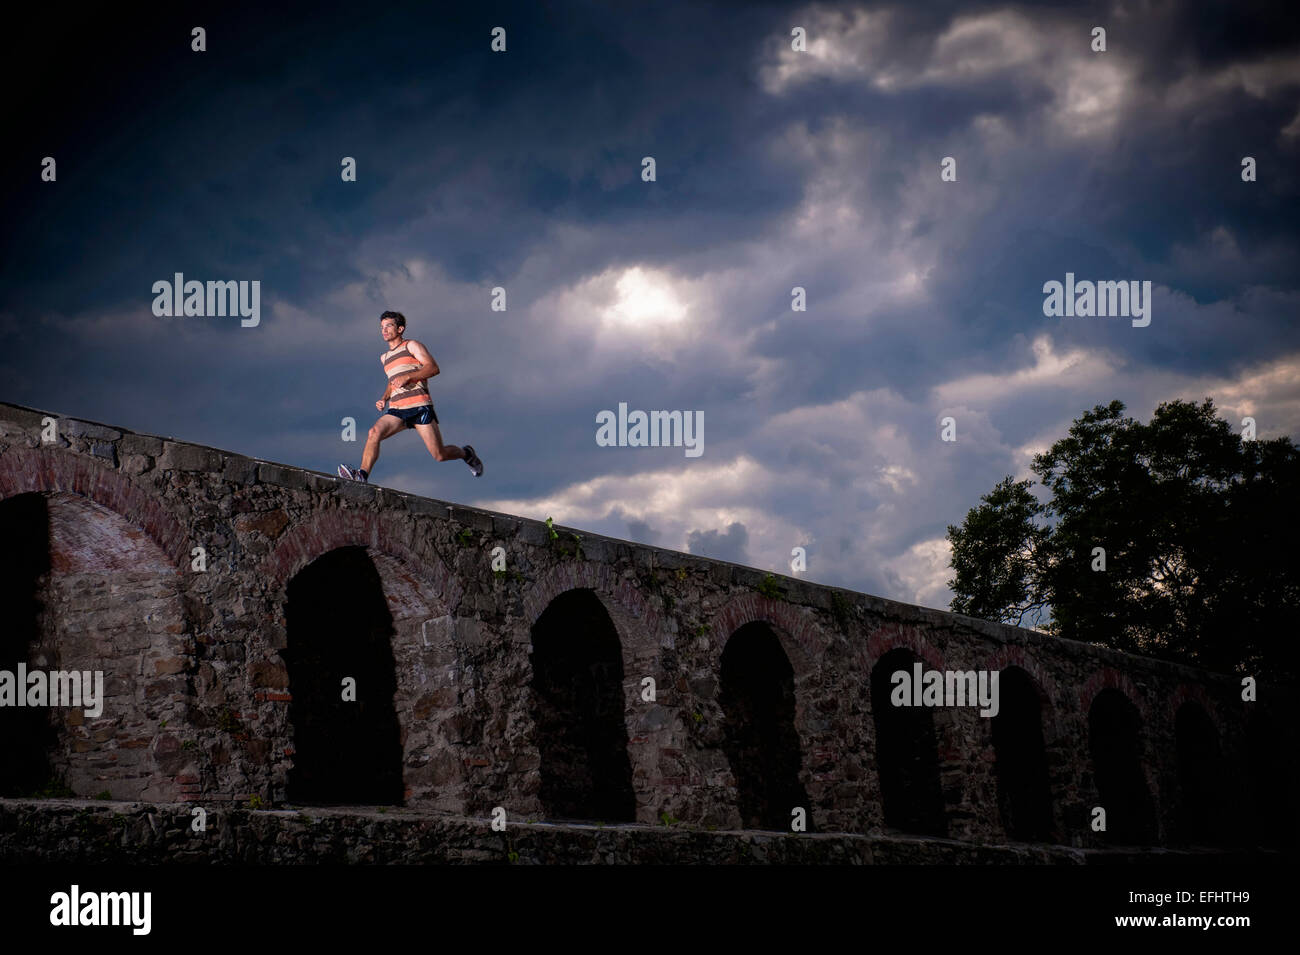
(388,328)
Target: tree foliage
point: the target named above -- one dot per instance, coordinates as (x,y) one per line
(1195,525)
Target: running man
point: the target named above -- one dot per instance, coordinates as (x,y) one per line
(408,365)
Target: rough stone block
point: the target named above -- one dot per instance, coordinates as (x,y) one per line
(140,444)
(672,560)
(533,532)
(477,520)
(469,632)
(281,475)
(76,428)
(137,463)
(423,505)
(188,457)
(504,526)
(271,675)
(271,523)
(798,591)
(356,491)
(104,450)
(596,549)
(240,470)
(26,420)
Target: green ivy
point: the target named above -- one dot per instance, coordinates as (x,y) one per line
(769,589)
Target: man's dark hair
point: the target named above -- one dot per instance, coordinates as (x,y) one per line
(401,319)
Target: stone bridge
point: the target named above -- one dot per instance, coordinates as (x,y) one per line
(267,631)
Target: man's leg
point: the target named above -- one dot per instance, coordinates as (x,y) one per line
(387,426)
(433,441)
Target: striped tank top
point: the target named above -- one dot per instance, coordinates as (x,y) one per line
(398,362)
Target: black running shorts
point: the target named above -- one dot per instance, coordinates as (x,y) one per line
(413,416)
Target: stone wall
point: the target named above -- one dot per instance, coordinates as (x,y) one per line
(74,832)
(200,696)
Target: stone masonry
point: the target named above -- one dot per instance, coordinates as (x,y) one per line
(193,644)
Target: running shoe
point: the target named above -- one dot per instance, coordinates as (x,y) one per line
(351,475)
(472,460)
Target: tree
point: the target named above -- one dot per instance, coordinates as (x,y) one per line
(994,555)
(1189,522)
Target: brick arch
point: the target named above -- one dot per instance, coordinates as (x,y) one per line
(1110,678)
(906,637)
(792,628)
(330,529)
(1048,692)
(637,624)
(1151,762)
(1042,804)
(880,642)
(893,636)
(116,606)
(416,596)
(1193,693)
(28,470)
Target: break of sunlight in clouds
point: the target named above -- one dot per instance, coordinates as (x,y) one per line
(1077,368)
(644,298)
(632,308)
(1268,392)
(924,569)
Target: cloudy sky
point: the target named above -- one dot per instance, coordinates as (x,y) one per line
(775,168)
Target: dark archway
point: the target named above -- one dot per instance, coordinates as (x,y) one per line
(1202,810)
(91,594)
(1020,759)
(577,708)
(1114,739)
(27,736)
(756,694)
(907,754)
(339,625)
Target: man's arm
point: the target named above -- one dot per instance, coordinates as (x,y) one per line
(428,367)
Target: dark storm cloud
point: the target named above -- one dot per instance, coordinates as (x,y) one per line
(640,531)
(720,545)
